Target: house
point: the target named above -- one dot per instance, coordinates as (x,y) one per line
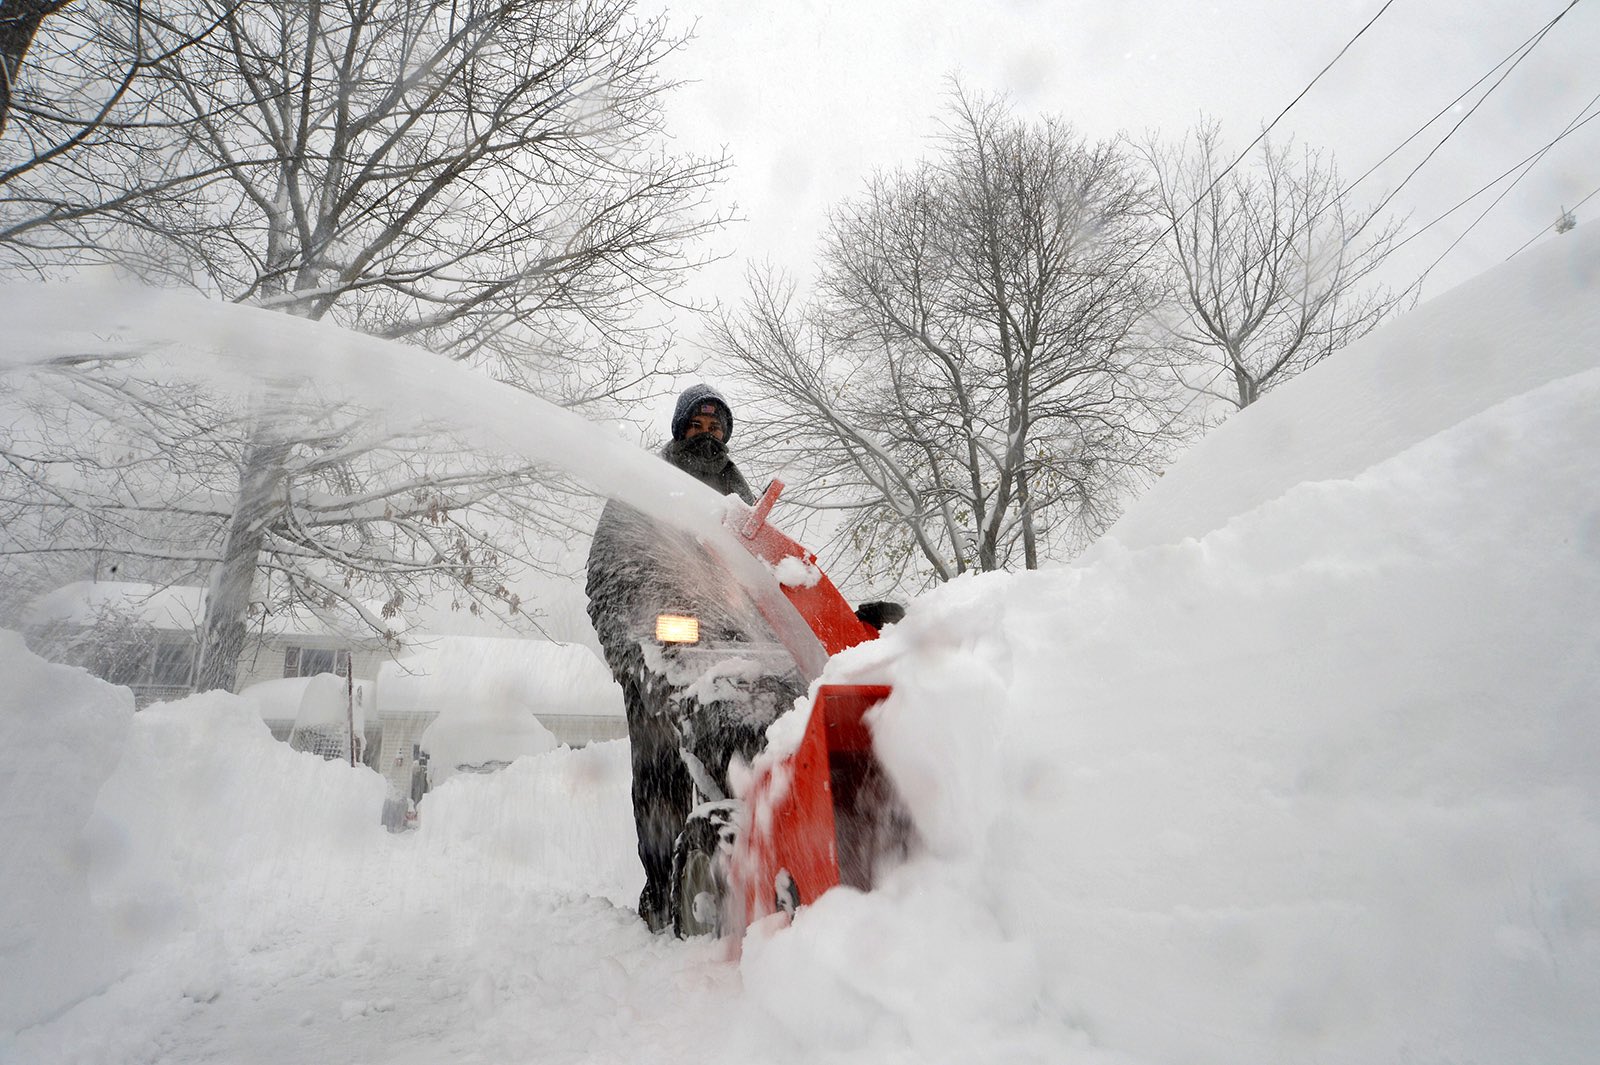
(493,698)
(145,636)
(138,635)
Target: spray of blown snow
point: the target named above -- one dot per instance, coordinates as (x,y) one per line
(246,351)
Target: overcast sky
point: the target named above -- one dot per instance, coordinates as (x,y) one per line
(810,96)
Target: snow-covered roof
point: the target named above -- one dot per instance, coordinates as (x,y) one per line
(179,608)
(548,678)
(174,607)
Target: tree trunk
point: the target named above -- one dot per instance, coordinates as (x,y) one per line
(1249,389)
(19,23)
(228,603)
(1030,544)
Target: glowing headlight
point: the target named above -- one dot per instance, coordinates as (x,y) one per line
(677,628)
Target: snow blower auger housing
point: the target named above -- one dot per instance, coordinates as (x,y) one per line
(822,816)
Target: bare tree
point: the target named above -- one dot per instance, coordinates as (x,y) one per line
(456,174)
(971,381)
(72,112)
(1274,265)
(483,178)
(136,475)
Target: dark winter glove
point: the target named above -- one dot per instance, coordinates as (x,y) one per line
(880,612)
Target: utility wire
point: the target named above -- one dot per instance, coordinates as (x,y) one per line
(1541,232)
(1525,49)
(1534,161)
(1173,225)
(1528,161)
(1268,128)
(1447,108)
(1514,57)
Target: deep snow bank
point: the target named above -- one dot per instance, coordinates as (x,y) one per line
(207,818)
(1506,332)
(149,855)
(560,821)
(61,733)
(1316,786)
(124,832)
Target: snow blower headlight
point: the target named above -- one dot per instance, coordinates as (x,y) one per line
(677,628)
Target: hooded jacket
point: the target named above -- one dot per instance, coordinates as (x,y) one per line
(639,568)
(701,399)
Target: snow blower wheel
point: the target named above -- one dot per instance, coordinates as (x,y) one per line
(700,872)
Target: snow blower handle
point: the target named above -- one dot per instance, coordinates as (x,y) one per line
(763,507)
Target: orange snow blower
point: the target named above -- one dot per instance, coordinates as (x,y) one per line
(824,815)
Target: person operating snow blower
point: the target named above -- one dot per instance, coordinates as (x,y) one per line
(684,728)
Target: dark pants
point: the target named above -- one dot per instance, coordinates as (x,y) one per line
(663,792)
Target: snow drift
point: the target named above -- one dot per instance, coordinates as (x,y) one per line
(61,734)
(1316,785)
(1502,335)
(1319,785)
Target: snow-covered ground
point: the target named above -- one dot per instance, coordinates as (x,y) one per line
(1297,766)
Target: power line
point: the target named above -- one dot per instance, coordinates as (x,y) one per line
(1181,215)
(1541,232)
(1526,49)
(1173,225)
(1527,160)
(1290,106)
(1515,58)
(1577,123)
(1447,108)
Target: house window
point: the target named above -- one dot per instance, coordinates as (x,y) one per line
(121,666)
(173,664)
(309,661)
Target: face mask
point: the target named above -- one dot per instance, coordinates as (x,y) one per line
(706,448)
(704,456)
